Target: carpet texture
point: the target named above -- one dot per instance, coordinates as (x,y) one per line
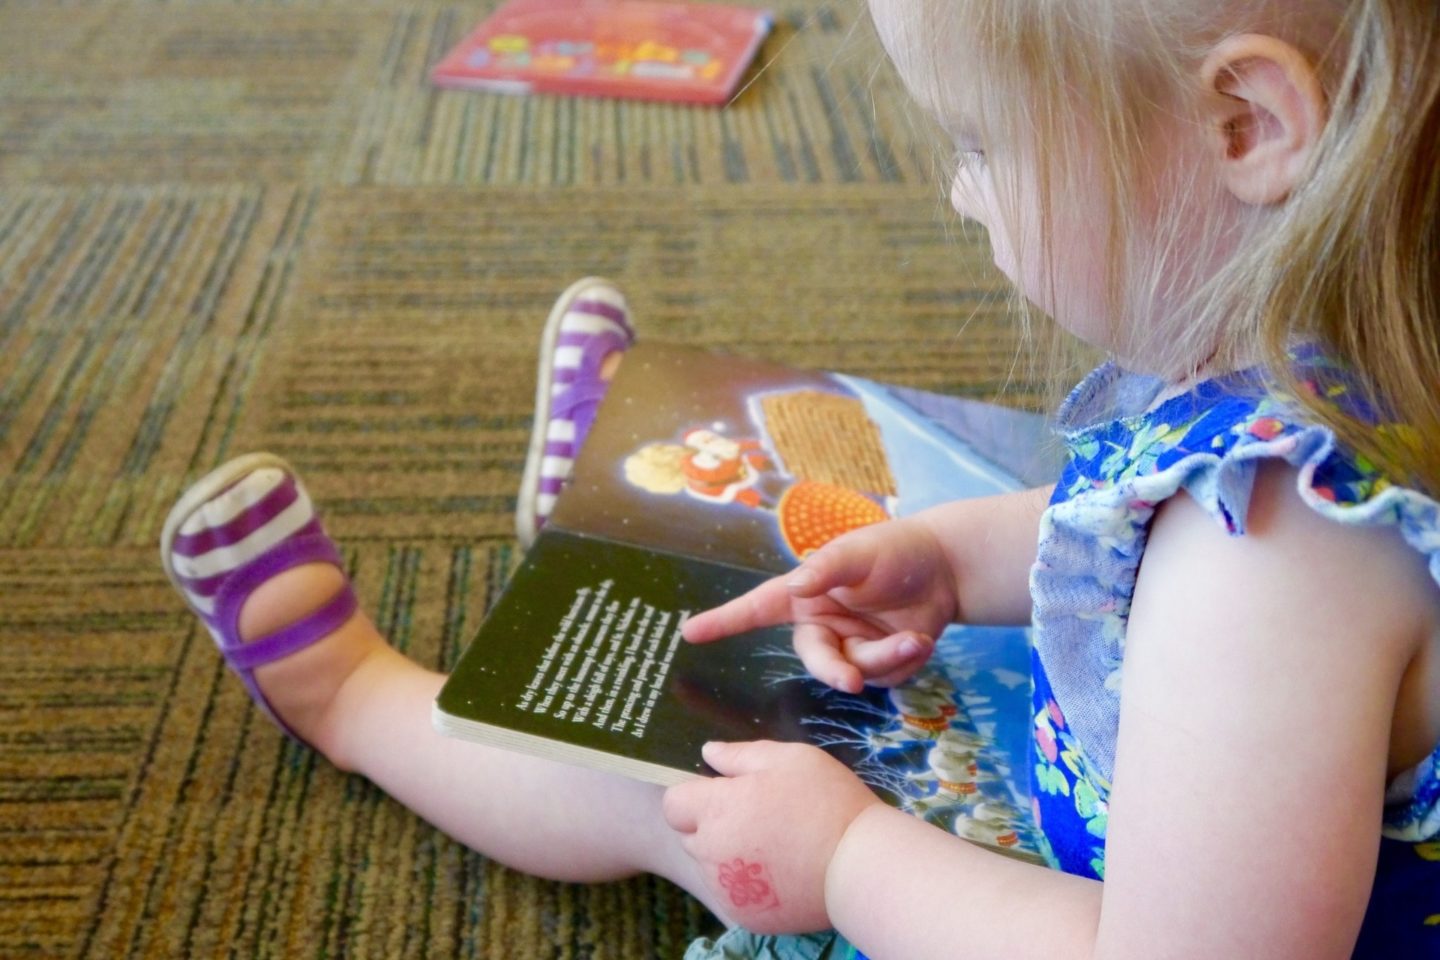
(254,225)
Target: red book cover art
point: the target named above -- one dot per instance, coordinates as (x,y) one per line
(640,49)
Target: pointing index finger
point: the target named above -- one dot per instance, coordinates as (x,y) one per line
(765,606)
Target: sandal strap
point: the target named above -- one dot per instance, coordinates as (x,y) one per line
(296,636)
(577,395)
(243,581)
(579,403)
(579,387)
(594,348)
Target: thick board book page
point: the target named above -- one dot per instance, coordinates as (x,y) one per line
(703,475)
(640,49)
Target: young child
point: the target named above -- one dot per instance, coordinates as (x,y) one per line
(1237,201)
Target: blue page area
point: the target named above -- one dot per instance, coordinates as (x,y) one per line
(932,465)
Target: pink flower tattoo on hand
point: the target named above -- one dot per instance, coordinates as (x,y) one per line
(748,884)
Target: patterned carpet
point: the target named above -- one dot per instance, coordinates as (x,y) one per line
(254,225)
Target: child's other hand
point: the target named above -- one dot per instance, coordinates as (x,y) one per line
(765,830)
(866,607)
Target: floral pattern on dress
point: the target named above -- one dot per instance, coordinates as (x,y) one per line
(1062,777)
(1206,441)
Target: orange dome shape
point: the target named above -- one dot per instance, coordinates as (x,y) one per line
(811,514)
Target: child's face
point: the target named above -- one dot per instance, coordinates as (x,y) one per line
(1058,266)
(1059,262)
(1059,269)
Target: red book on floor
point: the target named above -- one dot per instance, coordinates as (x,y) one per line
(640,49)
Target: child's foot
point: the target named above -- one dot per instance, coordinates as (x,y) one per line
(244,546)
(588,330)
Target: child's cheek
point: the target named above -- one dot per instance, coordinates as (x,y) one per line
(970,200)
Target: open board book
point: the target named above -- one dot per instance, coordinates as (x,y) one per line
(703,475)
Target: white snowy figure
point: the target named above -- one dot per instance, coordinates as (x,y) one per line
(922,708)
(994,823)
(954,763)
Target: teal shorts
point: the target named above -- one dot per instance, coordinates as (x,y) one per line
(739,944)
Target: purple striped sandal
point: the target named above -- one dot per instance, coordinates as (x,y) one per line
(234,529)
(589,321)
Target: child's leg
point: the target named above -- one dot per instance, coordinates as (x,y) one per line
(367,707)
(588,330)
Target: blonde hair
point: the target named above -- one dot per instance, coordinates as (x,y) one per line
(1350,260)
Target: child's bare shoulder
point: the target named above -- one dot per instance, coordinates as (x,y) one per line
(1345,599)
(1363,576)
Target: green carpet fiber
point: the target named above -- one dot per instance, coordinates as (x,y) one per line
(231,226)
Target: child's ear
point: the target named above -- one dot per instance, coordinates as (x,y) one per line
(1266,110)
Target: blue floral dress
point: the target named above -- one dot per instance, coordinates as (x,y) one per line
(1125,459)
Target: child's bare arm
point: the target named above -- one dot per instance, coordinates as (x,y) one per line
(990,543)
(1259,686)
(899,887)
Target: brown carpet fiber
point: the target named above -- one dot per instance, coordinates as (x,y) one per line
(237,226)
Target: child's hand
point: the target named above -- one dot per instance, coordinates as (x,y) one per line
(764,831)
(866,607)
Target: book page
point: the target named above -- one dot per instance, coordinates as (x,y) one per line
(756,465)
(586,650)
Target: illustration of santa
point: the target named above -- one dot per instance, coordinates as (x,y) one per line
(709,466)
(720,469)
